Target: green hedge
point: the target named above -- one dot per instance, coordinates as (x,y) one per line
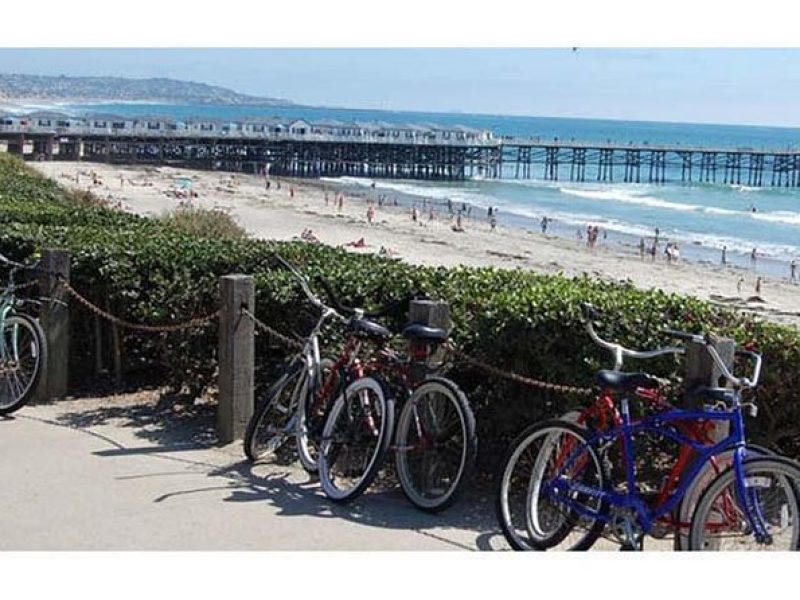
(145,270)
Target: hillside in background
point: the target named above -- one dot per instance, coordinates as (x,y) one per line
(61,87)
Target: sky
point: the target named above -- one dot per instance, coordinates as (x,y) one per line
(737,86)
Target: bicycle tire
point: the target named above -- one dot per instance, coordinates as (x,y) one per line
(509,523)
(760,473)
(347,423)
(412,483)
(688,503)
(19,397)
(306,444)
(259,443)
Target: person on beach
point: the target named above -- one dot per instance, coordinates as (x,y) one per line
(266,184)
(758,286)
(753,257)
(489,213)
(370,214)
(653,251)
(739,283)
(458,226)
(641,247)
(657,234)
(544,224)
(793,269)
(291,191)
(668,252)
(493,223)
(341,202)
(414,213)
(724,255)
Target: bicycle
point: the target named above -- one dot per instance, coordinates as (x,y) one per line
(435,443)
(281,414)
(23,347)
(569,495)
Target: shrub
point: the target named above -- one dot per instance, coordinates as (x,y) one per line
(203,222)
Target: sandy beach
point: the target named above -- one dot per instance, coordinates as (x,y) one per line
(283,214)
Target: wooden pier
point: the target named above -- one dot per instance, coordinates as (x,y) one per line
(498,158)
(629,163)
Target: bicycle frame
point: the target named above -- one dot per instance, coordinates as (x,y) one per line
(560,487)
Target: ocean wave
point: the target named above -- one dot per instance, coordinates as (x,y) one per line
(628,197)
(470,195)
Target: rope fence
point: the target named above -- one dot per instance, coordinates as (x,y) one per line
(195,323)
(260,325)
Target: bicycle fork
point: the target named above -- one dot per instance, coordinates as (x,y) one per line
(748,494)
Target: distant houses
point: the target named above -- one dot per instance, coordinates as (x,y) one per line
(269,128)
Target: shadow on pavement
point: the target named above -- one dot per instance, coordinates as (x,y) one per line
(471,520)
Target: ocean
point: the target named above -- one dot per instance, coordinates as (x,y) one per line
(701,217)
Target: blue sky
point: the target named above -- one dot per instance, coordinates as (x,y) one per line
(747,86)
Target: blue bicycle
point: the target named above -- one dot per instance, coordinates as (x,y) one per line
(573,494)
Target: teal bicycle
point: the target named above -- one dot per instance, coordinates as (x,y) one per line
(23,350)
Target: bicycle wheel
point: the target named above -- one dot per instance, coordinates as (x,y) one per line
(306,423)
(23,356)
(355,439)
(532,513)
(701,481)
(720,522)
(274,420)
(436,444)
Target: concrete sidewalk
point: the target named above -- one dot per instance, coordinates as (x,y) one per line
(78,475)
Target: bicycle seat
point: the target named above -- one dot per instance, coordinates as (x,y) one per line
(423,333)
(368,329)
(626,381)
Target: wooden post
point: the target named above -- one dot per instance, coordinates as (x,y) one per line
(55,323)
(432,313)
(701,370)
(236,357)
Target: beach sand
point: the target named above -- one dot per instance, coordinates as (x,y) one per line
(274,214)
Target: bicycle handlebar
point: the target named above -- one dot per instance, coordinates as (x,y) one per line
(12,263)
(334,299)
(706,341)
(619,351)
(306,289)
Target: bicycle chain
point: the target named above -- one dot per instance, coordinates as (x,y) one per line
(190,324)
(287,341)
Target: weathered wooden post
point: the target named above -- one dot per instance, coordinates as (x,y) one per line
(236,357)
(433,313)
(55,323)
(701,370)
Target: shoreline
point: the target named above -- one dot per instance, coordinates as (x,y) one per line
(274,214)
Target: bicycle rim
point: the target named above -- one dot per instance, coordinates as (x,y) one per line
(435,445)
(721,521)
(531,513)
(275,419)
(21,359)
(354,439)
